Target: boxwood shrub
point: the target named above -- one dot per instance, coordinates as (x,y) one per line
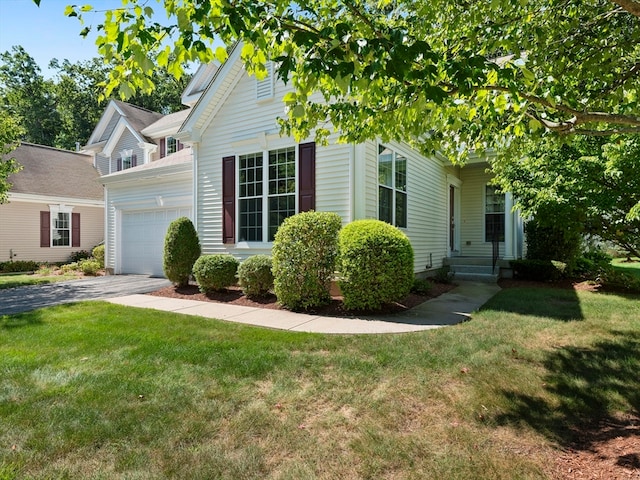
(304,255)
(181,250)
(215,272)
(375,265)
(255,276)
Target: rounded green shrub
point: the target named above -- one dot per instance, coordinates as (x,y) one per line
(89,266)
(181,250)
(215,272)
(304,255)
(255,275)
(375,264)
(98,254)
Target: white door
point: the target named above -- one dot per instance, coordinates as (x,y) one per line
(142,239)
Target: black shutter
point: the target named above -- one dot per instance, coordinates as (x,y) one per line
(229,199)
(307,176)
(75,229)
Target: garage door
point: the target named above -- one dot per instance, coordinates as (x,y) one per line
(142,239)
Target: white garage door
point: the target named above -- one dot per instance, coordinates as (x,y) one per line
(142,239)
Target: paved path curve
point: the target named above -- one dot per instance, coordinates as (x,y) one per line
(23,299)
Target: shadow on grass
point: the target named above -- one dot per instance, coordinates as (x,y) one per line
(9,322)
(587,385)
(556,303)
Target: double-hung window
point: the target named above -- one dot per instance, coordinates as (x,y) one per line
(266,193)
(493,214)
(61,229)
(171,146)
(392,187)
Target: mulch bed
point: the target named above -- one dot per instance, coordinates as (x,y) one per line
(234,296)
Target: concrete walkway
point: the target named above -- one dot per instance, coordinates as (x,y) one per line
(448,309)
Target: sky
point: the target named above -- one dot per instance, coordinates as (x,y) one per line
(46,33)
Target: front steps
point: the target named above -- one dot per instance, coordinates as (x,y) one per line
(477,269)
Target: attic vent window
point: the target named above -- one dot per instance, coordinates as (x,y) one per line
(264,87)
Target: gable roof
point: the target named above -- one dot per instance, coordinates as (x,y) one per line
(54,172)
(213,97)
(136,118)
(199,83)
(167,125)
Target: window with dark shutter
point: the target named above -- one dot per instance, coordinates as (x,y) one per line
(75,229)
(134,160)
(118,164)
(45,229)
(163,147)
(229,199)
(307,176)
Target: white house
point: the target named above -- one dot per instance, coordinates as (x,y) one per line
(243,179)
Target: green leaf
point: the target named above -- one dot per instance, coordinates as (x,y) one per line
(298,111)
(534,125)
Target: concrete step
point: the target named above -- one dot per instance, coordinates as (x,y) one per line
(476,277)
(485,269)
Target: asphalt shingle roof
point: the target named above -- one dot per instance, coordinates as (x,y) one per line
(55,172)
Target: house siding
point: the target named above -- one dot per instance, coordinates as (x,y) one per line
(472,244)
(21,231)
(148,195)
(426,202)
(127,141)
(244,125)
(102,164)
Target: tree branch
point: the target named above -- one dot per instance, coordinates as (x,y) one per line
(631,6)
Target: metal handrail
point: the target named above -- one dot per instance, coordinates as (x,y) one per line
(495,245)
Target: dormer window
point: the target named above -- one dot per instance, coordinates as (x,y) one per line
(264,87)
(171,146)
(127,159)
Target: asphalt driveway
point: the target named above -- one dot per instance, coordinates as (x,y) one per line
(23,299)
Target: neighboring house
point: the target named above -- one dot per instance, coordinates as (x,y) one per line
(245,179)
(148,175)
(56,206)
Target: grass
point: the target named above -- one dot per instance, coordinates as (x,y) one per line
(95,390)
(23,280)
(632,268)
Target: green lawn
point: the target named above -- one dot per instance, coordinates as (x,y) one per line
(95,390)
(632,268)
(10,281)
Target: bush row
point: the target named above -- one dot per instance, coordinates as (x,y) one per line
(373,258)
(82,260)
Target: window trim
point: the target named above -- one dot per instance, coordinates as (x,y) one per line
(394,189)
(265,192)
(54,210)
(167,141)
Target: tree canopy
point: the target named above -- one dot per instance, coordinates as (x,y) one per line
(590,181)
(10,133)
(64,110)
(454,76)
